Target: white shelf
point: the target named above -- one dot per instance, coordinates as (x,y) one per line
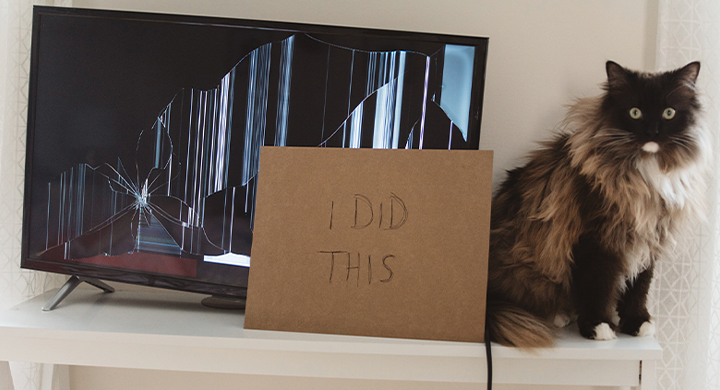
(172,331)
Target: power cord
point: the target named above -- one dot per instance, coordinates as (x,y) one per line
(488,354)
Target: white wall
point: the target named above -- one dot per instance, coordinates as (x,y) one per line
(543,54)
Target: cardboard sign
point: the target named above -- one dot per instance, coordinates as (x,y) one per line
(370,242)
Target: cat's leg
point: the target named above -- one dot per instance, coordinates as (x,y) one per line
(596,272)
(632,307)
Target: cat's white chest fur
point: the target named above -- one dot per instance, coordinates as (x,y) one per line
(676,187)
(677,191)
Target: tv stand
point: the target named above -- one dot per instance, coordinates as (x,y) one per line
(70,285)
(169,331)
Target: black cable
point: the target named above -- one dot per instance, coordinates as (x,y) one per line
(488,354)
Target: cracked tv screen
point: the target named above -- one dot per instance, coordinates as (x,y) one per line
(144,130)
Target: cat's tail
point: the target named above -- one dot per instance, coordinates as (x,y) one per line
(512,326)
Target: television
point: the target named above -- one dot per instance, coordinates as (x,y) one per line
(144,130)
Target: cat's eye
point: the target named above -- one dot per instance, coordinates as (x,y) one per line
(635,113)
(669,113)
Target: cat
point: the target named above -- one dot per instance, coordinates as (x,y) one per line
(575,232)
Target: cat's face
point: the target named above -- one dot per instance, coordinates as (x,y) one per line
(651,114)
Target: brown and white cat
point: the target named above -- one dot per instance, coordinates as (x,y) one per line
(576,231)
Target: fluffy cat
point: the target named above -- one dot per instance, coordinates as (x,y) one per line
(575,232)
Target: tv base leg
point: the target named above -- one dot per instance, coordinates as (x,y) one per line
(224,303)
(70,285)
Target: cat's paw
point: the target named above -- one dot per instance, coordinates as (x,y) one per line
(597,329)
(561,320)
(638,327)
(646,329)
(603,331)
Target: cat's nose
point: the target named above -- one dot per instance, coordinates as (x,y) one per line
(653,130)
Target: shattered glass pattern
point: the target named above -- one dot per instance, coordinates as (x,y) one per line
(191,189)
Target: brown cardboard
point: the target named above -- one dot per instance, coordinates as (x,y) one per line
(421,253)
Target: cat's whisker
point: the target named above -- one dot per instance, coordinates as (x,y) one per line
(679,87)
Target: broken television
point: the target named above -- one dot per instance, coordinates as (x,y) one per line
(144,130)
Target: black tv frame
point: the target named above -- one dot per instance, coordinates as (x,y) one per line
(358,38)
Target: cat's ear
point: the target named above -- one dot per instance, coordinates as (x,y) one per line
(616,74)
(689,73)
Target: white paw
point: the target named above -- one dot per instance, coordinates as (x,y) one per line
(646,329)
(561,320)
(603,331)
